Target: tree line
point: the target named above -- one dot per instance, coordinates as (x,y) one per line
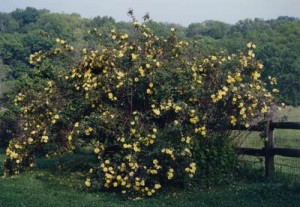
(25,31)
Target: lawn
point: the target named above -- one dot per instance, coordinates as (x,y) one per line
(284,138)
(45,187)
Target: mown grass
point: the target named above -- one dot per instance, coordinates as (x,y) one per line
(45,187)
(284,138)
(288,138)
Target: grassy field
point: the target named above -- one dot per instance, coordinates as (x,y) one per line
(285,138)
(45,187)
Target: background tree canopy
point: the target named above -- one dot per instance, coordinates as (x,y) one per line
(278,40)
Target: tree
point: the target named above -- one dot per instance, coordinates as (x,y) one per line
(7,23)
(27,16)
(211,28)
(4,84)
(194,30)
(12,48)
(278,46)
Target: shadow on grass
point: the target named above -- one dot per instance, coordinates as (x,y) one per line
(59,182)
(70,162)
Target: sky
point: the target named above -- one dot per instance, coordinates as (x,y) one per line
(181,12)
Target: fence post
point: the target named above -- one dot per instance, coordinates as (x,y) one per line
(269,156)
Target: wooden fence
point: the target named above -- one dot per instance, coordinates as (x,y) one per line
(269,151)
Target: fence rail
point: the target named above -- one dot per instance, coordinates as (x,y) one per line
(269,151)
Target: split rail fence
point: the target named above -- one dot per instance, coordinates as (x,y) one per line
(269,150)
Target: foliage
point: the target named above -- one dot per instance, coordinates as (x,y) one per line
(145,105)
(217,161)
(214,29)
(277,39)
(4,84)
(8,125)
(7,119)
(278,47)
(45,187)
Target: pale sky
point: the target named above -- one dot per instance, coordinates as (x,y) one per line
(181,12)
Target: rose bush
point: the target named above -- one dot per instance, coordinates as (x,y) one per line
(144,105)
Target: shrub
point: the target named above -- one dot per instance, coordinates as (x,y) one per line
(148,108)
(8,126)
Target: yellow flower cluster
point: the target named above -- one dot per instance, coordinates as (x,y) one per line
(54,118)
(243,88)
(155,169)
(19,97)
(88,131)
(233,120)
(169,152)
(186,152)
(186,139)
(117,178)
(36,58)
(170,174)
(273,80)
(230,79)
(11,154)
(45,139)
(191,169)
(194,118)
(88,182)
(201,130)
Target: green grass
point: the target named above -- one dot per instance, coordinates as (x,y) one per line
(45,187)
(291,113)
(284,138)
(288,138)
